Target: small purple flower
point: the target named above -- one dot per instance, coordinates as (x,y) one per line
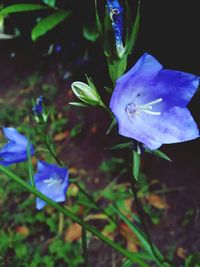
(116,15)
(37,108)
(58,48)
(16,148)
(52,181)
(150,104)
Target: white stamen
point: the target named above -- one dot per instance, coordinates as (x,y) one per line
(51,181)
(152,103)
(132,109)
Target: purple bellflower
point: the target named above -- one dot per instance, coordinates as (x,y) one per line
(37,108)
(52,181)
(150,104)
(16,149)
(116,15)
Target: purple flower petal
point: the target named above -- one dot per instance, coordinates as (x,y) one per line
(149,104)
(16,149)
(52,181)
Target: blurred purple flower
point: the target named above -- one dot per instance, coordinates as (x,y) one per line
(58,48)
(16,148)
(116,15)
(150,102)
(52,181)
(37,108)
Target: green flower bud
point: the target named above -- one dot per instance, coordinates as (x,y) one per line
(86,93)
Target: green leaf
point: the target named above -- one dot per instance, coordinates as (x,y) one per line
(90,32)
(193,260)
(120,146)
(159,154)
(48,23)
(21,8)
(51,3)
(78,104)
(98,22)
(113,123)
(136,165)
(132,34)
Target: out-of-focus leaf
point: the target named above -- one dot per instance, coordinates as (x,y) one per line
(21,8)
(51,3)
(193,260)
(48,23)
(136,164)
(90,32)
(159,154)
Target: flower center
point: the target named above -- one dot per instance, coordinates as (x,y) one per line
(133,109)
(51,181)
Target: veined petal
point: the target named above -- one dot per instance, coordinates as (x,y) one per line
(175,87)
(52,181)
(133,83)
(149,104)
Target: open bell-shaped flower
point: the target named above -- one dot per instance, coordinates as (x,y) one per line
(16,150)
(52,181)
(150,104)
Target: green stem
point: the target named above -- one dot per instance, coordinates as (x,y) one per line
(84,246)
(68,213)
(160,259)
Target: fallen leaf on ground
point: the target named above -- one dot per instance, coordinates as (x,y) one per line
(61,136)
(73,232)
(181,253)
(157,201)
(130,237)
(22,230)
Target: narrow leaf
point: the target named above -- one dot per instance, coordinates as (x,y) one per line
(21,8)
(159,154)
(78,104)
(121,146)
(113,123)
(48,23)
(132,35)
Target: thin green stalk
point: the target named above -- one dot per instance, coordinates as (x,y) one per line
(60,223)
(84,246)
(159,257)
(134,257)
